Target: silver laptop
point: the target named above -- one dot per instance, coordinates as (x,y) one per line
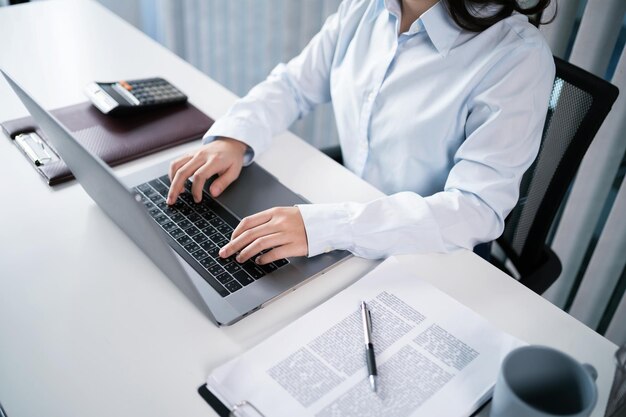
(183,240)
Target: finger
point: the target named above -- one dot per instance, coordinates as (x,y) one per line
(176,164)
(174,167)
(250,222)
(224,180)
(178,182)
(279,252)
(246,238)
(205,172)
(261,244)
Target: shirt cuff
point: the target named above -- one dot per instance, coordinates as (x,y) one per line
(327,227)
(240,130)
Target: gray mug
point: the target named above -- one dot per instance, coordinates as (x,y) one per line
(538,381)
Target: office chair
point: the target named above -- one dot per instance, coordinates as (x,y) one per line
(579,103)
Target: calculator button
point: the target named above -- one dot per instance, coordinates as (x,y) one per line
(125,85)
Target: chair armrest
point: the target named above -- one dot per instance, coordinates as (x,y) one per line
(334,152)
(548,270)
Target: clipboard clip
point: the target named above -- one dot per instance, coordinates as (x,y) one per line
(244,404)
(37,150)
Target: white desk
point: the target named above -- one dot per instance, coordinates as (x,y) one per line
(89,326)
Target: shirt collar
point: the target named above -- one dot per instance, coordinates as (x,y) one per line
(436,21)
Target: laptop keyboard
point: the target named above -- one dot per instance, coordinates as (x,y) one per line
(197,232)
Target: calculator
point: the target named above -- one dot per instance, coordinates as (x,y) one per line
(129,96)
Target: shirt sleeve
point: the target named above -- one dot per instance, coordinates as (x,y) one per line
(506,114)
(289,92)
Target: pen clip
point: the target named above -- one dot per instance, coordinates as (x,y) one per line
(367,321)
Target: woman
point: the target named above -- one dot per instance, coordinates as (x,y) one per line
(440,104)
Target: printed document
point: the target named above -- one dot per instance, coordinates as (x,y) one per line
(435,357)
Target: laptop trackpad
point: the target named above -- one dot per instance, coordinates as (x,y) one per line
(256,190)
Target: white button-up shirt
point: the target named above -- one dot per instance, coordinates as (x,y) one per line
(443,120)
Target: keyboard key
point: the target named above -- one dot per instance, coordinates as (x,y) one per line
(223,278)
(199,238)
(208,262)
(170,211)
(192,231)
(184,224)
(209,230)
(214,252)
(200,223)
(177,217)
(154,212)
(163,191)
(178,205)
(215,269)
(224,261)
(243,278)
(176,232)
(233,286)
(225,229)
(158,185)
(199,254)
(219,239)
(184,240)
(187,198)
(269,268)
(216,221)
(209,215)
(191,247)
(169,226)
(208,245)
(253,269)
(166,180)
(232,267)
(184,209)
(161,219)
(201,208)
(281,262)
(156,198)
(193,217)
(144,188)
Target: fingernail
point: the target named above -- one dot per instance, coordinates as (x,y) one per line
(169,200)
(216,191)
(222,251)
(238,258)
(257,260)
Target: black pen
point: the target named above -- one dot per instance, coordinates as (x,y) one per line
(370,358)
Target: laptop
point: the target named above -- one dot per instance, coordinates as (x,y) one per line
(183,240)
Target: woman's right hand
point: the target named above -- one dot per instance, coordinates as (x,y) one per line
(223,156)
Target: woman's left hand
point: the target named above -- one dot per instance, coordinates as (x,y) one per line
(280,229)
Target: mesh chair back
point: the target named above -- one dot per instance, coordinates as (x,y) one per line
(578,105)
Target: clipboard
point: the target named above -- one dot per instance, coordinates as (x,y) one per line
(115,139)
(220,408)
(223,411)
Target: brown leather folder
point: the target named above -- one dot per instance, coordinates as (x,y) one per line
(115,139)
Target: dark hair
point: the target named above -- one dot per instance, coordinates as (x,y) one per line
(465,12)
